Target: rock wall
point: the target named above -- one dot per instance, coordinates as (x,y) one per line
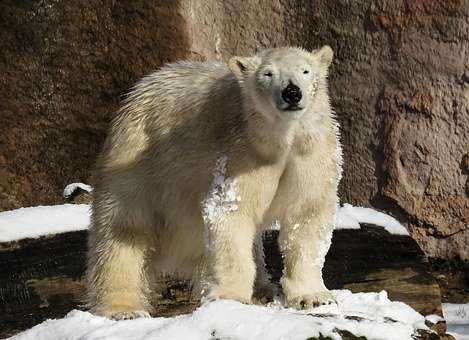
(401,89)
(399,84)
(64,66)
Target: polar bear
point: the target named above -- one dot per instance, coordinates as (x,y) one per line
(199,159)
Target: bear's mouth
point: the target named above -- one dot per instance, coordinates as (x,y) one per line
(293,108)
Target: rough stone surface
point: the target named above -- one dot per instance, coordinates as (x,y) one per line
(64,66)
(401,89)
(399,83)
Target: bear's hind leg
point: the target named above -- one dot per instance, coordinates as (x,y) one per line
(117,282)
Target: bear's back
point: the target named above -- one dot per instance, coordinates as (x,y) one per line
(192,102)
(186,107)
(185,87)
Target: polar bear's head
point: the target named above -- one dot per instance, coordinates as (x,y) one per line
(283,82)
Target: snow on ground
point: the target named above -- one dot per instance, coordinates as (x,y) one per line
(42,220)
(350,217)
(69,189)
(457,320)
(379,318)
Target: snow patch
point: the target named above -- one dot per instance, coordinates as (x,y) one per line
(350,217)
(222,198)
(43,220)
(371,315)
(69,189)
(457,320)
(433,318)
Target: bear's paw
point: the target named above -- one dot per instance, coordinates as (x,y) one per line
(311,300)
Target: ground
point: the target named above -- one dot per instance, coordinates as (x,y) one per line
(368,315)
(371,315)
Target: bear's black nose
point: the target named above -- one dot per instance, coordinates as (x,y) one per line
(291,94)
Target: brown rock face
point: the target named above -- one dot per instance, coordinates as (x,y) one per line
(63,68)
(399,84)
(403,101)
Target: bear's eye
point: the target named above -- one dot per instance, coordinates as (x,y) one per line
(268,74)
(305,71)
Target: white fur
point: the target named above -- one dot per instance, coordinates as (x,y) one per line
(198,159)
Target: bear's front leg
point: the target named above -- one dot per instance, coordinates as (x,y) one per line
(304,241)
(230,258)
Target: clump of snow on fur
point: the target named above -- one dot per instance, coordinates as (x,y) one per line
(323,247)
(43,220)
(338,152)
(222,197)
(378,318)
(314,85)
(350,217)
(70,189)
(275,225)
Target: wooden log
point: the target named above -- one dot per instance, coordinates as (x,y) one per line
(43,278)
(40,279)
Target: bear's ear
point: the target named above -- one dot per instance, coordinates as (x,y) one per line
(324,55)
(242,66)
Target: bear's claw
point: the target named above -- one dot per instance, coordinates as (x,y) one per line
(129,315)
